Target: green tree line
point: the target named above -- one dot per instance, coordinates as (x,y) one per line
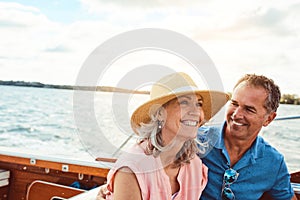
(290,99)
(286,99)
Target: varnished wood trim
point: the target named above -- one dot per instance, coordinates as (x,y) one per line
(88,170)
(112,160)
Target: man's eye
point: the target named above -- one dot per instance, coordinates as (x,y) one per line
(250,110)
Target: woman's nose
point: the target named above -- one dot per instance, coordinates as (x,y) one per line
(195,110)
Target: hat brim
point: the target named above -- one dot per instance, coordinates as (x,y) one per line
(213,101)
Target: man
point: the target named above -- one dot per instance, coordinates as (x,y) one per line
(241,164)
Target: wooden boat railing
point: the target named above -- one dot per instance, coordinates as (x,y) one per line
(28,170)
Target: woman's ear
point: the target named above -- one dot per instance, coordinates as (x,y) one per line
(271,117)
(162,114)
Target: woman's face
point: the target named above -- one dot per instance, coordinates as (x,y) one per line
(182,117)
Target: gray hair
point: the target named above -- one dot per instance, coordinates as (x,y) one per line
(151,133)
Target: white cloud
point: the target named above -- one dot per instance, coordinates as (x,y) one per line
(24,30)
(37,49)
(239,36)
(96,5)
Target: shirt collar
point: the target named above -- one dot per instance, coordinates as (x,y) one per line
(220,143)
(256,149)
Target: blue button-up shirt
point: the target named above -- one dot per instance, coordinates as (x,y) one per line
(261,169)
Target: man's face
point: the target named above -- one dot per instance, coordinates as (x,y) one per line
(246,114)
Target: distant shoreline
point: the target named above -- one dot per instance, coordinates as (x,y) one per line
(69,87)
(285,98)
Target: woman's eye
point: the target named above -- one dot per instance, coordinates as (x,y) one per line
(234,104)
(184,102)
(200,104)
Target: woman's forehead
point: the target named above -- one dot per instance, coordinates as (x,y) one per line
(190,96)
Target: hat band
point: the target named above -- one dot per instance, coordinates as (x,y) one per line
(184,89)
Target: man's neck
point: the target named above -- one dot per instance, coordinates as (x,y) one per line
(236,148)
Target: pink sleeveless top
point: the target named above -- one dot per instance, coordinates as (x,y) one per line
(154,182)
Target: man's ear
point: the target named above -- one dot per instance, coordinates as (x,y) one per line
(271,117)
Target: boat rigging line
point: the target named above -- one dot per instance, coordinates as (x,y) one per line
(287,117)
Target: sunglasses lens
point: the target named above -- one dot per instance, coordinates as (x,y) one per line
(227,194)
(230,176)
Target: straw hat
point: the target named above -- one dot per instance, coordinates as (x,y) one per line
(172,86)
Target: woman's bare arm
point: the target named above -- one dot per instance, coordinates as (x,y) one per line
(126,185)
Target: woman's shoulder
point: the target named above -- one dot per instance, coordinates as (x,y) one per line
(197,163)
(136,159)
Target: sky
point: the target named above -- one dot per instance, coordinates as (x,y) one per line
(48,41)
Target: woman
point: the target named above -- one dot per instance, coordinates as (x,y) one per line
(163,164)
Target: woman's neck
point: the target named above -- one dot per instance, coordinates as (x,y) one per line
(169,156)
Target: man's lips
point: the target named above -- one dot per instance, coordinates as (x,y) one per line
(238,123)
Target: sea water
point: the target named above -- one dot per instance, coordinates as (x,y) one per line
(44,121)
